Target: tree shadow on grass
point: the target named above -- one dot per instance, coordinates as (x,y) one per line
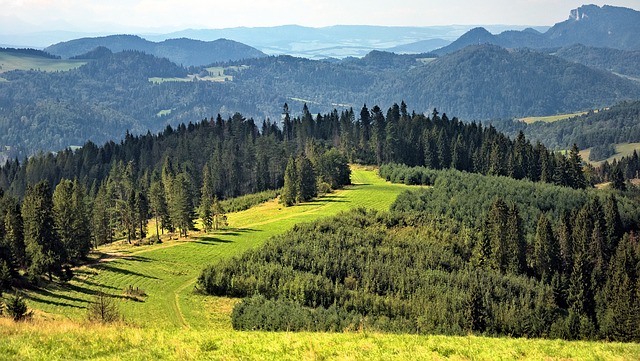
(211,240)
(108,267)
(137,258)
(46,293)
(55,303)
(98,285)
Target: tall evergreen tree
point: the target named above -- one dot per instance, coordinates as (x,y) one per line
(206,200)
(290,190)
(44,252)
(159,207)
(306,180)
(546,260)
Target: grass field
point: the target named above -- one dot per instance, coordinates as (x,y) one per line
(550,119)
(9,62)
(174,322)
(216,73)
(622,150)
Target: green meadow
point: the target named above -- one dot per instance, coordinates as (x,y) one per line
(551,118)
(9,62)
(174,322)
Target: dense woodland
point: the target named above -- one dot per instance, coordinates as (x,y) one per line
(478,254)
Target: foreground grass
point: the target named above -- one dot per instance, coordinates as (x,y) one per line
(66,340)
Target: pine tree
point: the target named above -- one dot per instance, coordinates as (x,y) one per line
(100,227)
(44,252)
(474,309)
(306,179)
(546,260)
(206,200)
(159,207)
(565,241)
(181,204)
(613,228)
(617,179)
(496,225)
(516,242)
(290,190)
(575,174)
(622,316)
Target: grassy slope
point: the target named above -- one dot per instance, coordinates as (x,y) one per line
(550,119)
(9,62)
(175,323)
(622,150)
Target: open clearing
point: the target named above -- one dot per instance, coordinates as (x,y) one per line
(622,150)
(9,62)
(551,118)
(215,74)
(174,322)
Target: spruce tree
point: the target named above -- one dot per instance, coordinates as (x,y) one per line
(290,190)
(44,252)
(546,260)
(206,200)
(516,243)
(613,229)
(496,224)
(306,179)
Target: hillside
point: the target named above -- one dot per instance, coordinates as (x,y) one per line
(488,82)
(618,124)
(623,62)
(182,51)
(590,25)
(102,99)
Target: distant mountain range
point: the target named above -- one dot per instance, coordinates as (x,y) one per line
(186,52)
(591,25)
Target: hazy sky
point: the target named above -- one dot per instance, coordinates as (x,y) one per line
(129,15)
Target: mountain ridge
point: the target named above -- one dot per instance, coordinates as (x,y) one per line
(188,52)
(591,25)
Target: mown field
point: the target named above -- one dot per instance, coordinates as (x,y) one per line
(174,322)
(550,119)
(9,62)
(622,150)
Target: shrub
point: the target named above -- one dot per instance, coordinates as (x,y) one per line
(134,293)
(17,308)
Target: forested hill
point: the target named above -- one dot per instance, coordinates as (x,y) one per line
(113,92)
(618,124)
(624,62)
(607,26)
(487,81)
(183,51)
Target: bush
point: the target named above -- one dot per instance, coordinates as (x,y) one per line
(17,308)
(134,293)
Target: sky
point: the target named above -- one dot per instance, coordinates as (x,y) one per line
(19,16)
